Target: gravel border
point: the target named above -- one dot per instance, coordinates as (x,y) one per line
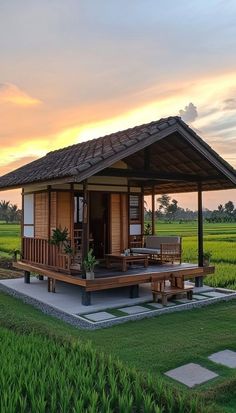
(82,323)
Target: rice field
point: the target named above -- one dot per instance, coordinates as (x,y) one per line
(40,374)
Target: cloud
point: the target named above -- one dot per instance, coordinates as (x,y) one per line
(189,113)
(17,163)
(10,93)
(229,104)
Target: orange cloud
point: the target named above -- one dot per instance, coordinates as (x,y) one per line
(10,93)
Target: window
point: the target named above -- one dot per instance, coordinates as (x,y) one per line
(135,208)
(78,209)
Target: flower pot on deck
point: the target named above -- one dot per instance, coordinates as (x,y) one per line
(89,275)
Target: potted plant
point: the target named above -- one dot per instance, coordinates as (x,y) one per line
(61,240)
(89,264)
(59,237)
(206,258)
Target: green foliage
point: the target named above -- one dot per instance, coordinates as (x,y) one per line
(59,236)
(60,239)
(88,382)
(90,261)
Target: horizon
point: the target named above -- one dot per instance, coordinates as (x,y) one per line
(75,71)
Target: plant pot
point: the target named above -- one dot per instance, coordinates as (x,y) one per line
(206,263)
(89,275)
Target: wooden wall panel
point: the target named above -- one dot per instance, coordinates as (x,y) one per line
(115,220)
(41,215)
(64,210)
(124,221)
(53,211)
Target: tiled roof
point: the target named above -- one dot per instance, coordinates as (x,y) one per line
(86,157)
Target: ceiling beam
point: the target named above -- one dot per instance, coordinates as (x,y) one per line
(155,175)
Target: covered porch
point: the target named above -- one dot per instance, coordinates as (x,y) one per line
(95,190)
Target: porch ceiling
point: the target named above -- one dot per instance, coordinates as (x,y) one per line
(172,165)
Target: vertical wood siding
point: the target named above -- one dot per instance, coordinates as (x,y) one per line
(41,215)
(64,210)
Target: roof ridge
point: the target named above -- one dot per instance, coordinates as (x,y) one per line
(114,133)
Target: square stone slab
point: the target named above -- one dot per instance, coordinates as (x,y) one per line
(214,294)
(135,309)
(226,358)
(191,374)
(101,316)
(199,297)
(170,304)
(184,300)
(156,305)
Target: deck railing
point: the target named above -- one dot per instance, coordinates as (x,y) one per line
(40,251)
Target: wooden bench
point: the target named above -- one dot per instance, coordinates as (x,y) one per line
(160,289)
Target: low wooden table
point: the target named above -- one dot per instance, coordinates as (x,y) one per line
(125,259)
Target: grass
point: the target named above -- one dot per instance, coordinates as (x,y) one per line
(150,347)
(9,238)
(153,346)
(48,366)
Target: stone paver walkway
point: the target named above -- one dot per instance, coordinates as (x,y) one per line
(135,309)
(101,316)
(226,358)
(215,294)
(199,297)
(191,374)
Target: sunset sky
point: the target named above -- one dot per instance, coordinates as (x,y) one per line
(78,69)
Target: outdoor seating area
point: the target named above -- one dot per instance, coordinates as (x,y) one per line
(161,249)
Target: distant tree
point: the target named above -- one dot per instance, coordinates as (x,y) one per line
(4,209)
(172,209)
(164,202)
(229,207)
(220,208)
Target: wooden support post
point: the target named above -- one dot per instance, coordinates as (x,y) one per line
(134,291)
(85,235)
(86,297)
(199,280)
(72,216)
(27,277)
(153,210)
(22,224)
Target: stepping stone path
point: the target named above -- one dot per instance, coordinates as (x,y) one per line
(135,309)
(101,316)
(156,305)
(215,294)
(226,358)
(184,300)
(170,304)
(199,297)
(191,374)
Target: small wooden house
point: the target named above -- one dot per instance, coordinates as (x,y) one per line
(96,190)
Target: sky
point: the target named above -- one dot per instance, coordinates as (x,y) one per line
(78,69)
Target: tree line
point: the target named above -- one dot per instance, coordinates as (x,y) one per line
(167,209)
(9,212)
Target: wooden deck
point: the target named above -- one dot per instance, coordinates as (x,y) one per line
(106,278)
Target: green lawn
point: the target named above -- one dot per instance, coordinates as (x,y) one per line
(9,238)
(151,346)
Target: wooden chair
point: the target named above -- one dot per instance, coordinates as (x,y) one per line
(176,286)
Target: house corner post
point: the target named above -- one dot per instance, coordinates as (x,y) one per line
(85,235)
(153,210)
(199,280)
